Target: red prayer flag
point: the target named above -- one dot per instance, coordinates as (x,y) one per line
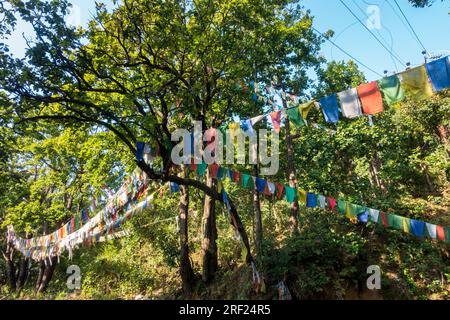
(371,99)
(236,176)
(276,120)
(280,188)
(332,202)
(213,169)
(440,233)
(384,219)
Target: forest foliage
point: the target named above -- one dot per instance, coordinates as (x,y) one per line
(72,110)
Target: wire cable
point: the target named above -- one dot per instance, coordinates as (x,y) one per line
(370,31)
(415,34)
(391,45)
(345,52)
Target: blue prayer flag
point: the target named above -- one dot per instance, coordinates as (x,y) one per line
(260,184)
(311,200)
(417,228)
(439,73)
(330,108)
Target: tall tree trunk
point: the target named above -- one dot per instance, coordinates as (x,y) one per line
(375,168)
(47,274)
(10,267)
(291,170)
(186,272)
(40,276)
(258,217)
(209,245)
(23,273)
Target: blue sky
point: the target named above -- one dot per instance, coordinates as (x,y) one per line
(431,24)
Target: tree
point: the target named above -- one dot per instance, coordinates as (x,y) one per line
(147,68)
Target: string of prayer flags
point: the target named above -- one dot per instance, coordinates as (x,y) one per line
(350,105)
(371,100)
(391,89)
(276,120)
(439,73)
(330,108)
(374,215)
(416,84)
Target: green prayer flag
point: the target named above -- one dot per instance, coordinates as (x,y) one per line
(391,89)
(290,194)
(223,130)
(395,221)
(247,181)
(447,234)
(295,117)
(342,206)
(201,168)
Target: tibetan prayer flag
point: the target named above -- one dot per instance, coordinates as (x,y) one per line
(140,150)
(342,206)
(295,117)
(236,176)
(230,174)
(201,168)
(260,184)
(431,230)
(290,194)
(406,225)
(84,215)
(247,181)
(322,201)
(213,170)
(332,203)
(247,127)
(440,233)
(350,105)
(280,189)
(384,219)
(371,100)
(417,228)
(174,188)
(311,200)
(395,221)
(302,196)
(439,73)
(276,120)
(416,84)
(271,186)
(374,214)
(224,132)
(391,89)
(225,200)
(221,173)
(363,216)
(305,108)
(235,129)
(330,108)
(447,234)
(257,119)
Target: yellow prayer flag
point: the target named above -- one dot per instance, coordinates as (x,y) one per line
(416,84)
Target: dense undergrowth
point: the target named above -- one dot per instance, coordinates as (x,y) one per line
(326,259)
